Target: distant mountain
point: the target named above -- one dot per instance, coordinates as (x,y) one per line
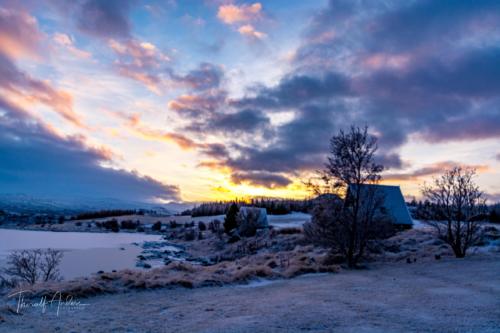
(23,203)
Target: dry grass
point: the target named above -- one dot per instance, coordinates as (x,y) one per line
(286,264)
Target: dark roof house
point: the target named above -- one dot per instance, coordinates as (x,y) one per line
(393,202)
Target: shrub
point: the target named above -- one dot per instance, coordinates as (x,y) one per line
(215,226)
(190,235)
(156,226)
(129,224)
(202,226)
(173,224)
(111,225)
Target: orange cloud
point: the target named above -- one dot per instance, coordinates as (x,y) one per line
(134,123)
(231,14)
(249,31)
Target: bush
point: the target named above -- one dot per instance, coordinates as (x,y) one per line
(215,226)
(202,226)
(130,225)
(173,224)
(156,226)
(78,224)
(111,225)
(190,235)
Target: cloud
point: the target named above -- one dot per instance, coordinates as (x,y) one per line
(135,125)
(141,61)
(206,76)
(492,198)
(65,166)
(233,14)
(193,105)
(249,31)
(358,64)
(265,179)
(103,18)
(431,170)
(19,34)
(67,42)
(243,16)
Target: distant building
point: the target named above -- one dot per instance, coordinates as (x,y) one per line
(393,202)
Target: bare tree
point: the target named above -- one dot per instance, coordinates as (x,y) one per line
(35,265)
(347,225)
(49,266)
(456,204)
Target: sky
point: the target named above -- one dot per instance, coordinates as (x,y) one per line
(184,100)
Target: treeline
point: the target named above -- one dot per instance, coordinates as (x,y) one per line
(420,211)
(107,213)
(272,205)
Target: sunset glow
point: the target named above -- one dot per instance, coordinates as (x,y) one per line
(202,100)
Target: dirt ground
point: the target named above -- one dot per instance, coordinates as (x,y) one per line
(448,295)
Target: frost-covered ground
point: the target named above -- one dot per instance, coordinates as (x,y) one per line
(449,295)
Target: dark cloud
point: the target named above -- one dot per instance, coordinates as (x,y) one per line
(64,167)
(104,18)
(206,76)
(401,26)
(375,64)
(296,90)
(244,121)
(265,179)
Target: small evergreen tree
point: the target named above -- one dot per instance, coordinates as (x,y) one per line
(230,219)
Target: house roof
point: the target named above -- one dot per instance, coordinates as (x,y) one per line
(394,202)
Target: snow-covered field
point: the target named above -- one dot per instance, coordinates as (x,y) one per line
(451,295)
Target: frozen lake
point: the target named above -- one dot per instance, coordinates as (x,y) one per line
(84,252)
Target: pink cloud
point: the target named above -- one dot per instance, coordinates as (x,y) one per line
(232,14)
(19,34)
(249,31)
(20,37)
(140,61)
(67,42)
